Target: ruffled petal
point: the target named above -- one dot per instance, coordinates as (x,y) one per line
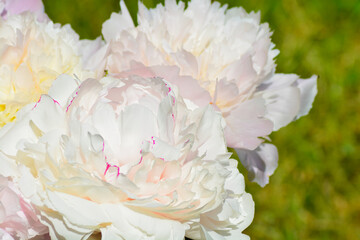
(260,163)
(308,91)
(117,23)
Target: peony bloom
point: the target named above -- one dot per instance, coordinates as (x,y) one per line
(32,55)
(125,158)
(229,53)
(11,7)
(17,218)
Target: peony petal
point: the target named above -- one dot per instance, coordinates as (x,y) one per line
(308,91)
(10,136)
(241,71)
(110,233)
(17,217)
(278,81)
(117,23)
(62,88)
(245,124)
(188,87)
(260,163)
(134,225)
(138,124)
(287,97)
(282,105)
(14,7)
(227,91)
(18,6)
(76,210)
(5,236)
(47,114)
(93,54)
(8,165)
(211,130)
(57,228)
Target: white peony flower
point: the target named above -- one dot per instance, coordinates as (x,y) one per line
(18,219)
(229,53)
(32,55)
(126,158)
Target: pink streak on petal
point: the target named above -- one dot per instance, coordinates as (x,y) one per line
(107,168)
(56,102)
(168,88)
(141,156)
(67,108)
(118,171)
(36,103)
(172,97)
(108,165)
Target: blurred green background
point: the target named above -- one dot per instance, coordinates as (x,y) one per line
(315,192)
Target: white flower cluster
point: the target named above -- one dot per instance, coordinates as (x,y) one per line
(128,138)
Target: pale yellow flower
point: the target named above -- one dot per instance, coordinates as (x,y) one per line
(32,55)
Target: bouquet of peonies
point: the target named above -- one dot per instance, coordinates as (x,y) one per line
(127,136)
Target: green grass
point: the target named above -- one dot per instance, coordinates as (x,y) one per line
(315,192)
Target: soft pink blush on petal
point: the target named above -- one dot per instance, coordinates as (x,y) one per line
(245,124)
(17,217)
(13,7)
(19,6)
(188,87)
